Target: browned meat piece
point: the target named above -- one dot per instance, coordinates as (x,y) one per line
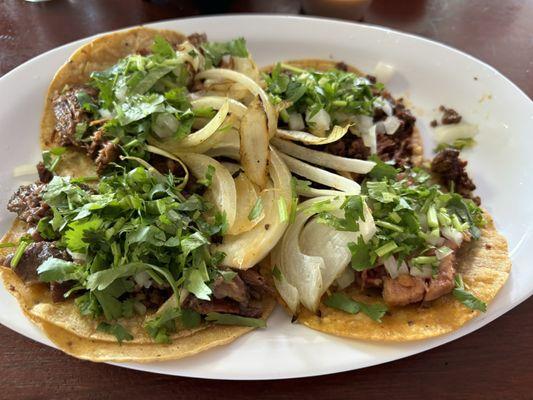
(434,123)
(58,290)
(371,278)
(252,278)
(69,113)
(45,176)
(348,146)
(153,297)
(234,289)
(197,39)
(451,170)
(97,142)
(35,254)
(450,116)
(27,202)
(107,154)
(166,165)
(227,306)
(403,290)
(443,283)
(341,66)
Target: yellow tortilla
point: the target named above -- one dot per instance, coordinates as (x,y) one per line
(484,265)
(73,333)
(97,55)
(77,335)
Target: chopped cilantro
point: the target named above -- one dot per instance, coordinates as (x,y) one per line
(214,51)
(465,297)
(230,319)
(116,330)
(342,302)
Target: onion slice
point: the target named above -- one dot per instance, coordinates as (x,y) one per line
(450,133)
(251,85)
(321,176)
(245,250)
(246,199)
(308,138)
(217,102)
(323,159)
(254,144)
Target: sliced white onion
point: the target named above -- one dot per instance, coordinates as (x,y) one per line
(323,159)
(370,139)
(391,265)
(383,72)
(346,278)
(184,53)
(391,124)
(251,85)
(24,170)
(288,292)
(320,122)
(222,189)
(254,144)
(296,122)
(247,66)
(314,192)
(217,102)
(321,176)
(384,104)
(246,199)
(452,234)
(161,152)
(245,250)
(452,132)
(232,167)
(363,123)
(308,138)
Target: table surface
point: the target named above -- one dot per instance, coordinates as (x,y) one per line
(492,363)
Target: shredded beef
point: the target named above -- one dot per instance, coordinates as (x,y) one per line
(27,202)
(35,254)
(450,116)
(196,39)
(405,289)
(225,305)
(69,113)
(450,170)
(45,175)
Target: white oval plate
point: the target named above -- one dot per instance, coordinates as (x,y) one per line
(428,73)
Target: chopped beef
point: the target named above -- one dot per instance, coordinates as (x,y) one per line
(371,278)
(35,254)
(234,289)
(434,123)
(69,113)
(252,278)
(153,297)
(28,203)
(405,289)
(450,116)
(196,39)
(341,66)
(348,146)
(443,283)
(58,290)
(45,175)
(450,170)
(371,78)
(166,165)
(106,155)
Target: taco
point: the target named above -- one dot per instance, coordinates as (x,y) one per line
(143,238)
(387,247)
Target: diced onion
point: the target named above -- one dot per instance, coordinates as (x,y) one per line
(321,176)
(383,72)
(308,138)
(251,85)
(165,125)
(391,124)
(452,234)
(452,132)
(296,122)
(320,122)
(383,104)
(403,269)
(323,159)
(370,139)
(24,170)
(391,265)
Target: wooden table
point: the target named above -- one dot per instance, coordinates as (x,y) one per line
(492,363)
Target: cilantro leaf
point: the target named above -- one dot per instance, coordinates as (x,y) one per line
(208,179)
(116,330)
(163,48)
(195,283)
(381,169)
(214,51)
(230,319)
(361,258)
(74,236)
(58,270)
(342,302)
(465,297)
